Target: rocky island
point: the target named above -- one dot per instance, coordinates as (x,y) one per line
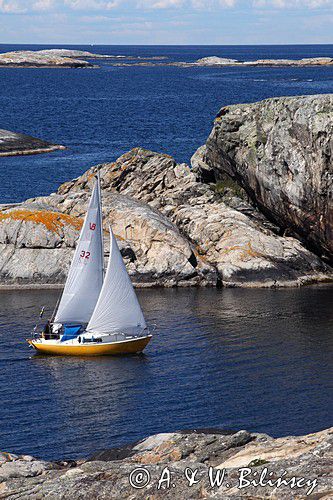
(308,61)
(71,58)
(35,59)
(197,464)
(59,58)
(217,62)
(12,144)
(254,209)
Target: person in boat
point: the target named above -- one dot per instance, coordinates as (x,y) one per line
(47,330)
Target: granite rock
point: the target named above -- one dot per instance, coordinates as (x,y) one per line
(184,465)
(281,152)
(30,58)
(225,231)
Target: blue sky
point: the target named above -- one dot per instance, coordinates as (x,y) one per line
(166,21)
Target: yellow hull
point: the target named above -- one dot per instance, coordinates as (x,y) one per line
(131,346)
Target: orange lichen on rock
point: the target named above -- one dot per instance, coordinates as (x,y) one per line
(246,250)
(53,221)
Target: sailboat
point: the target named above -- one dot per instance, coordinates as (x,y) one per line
(98,313)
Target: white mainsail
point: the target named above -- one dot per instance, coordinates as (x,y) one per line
(85,277)
(118,307)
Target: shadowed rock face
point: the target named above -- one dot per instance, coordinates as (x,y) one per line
(106,475)
(12,144)
(281,152)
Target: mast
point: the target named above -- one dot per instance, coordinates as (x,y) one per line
(85,277)
(101,218)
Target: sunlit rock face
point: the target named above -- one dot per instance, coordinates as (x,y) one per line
(50,59)
(195,226)
(190,464)
(281,152)
(224,230)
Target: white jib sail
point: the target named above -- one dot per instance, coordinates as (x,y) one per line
(118,308)
(85,277)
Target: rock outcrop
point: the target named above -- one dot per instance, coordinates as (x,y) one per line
(173,230)
(200,226)
(12,144)
(37,242)
(63,58)
(281,152)
(217,62)
(224,230)
(35,59)
(82,54)
(188,465)
(307,61)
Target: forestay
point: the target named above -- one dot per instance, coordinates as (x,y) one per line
(85,277)
(118,308)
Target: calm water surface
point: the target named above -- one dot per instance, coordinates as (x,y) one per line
(254,359)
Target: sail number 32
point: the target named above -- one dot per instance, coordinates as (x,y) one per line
(84,254)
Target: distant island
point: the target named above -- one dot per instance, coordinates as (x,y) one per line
(214,61)
(58,58)
(12,144)
(67,58)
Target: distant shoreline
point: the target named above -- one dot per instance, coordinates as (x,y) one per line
(66,58)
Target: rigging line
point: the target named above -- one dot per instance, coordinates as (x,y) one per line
(98,177)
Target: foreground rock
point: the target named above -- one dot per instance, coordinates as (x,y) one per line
(35,59)
(184,465)
(12,144)
(281,152)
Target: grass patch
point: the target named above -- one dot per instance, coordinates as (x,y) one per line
(228,186)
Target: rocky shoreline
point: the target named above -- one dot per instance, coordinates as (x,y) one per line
(67,58)
(221,62)
(13,144)
(187,464)
(254,209)
(60,58)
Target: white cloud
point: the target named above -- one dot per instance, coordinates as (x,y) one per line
(25,6)
(90,4)
(282,4)
(196,4)
(11,7)
(43,5)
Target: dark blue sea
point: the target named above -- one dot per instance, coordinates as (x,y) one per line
(253,359)
(101,113)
